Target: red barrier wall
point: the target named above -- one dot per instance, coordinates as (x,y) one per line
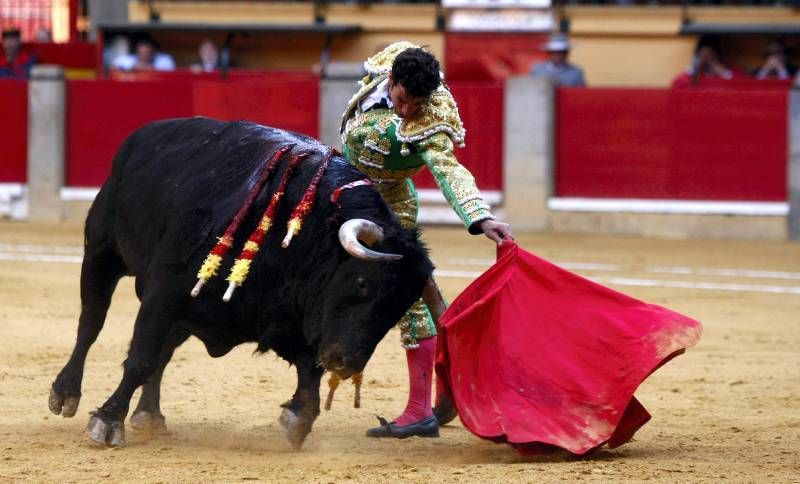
(481,108)
(672,144)
(235,74)
(491,56)
(291,104)
(14,129)
(101,114)
(74,55)
(737,83)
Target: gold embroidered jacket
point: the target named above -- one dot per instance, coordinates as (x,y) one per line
(389,149)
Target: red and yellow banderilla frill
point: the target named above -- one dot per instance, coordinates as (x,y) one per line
(241,267)
(211,265)
(307,202)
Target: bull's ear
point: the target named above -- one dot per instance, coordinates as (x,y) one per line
(414,233)
(414,240)
(410,237)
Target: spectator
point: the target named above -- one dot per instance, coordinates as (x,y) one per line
(775,63)
(209,58)
(119,47)
(15,61)
(146,57)
(556,66)
(705,65)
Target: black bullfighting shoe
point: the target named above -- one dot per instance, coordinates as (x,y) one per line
(427,427)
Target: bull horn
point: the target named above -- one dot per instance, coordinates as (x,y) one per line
(355,230)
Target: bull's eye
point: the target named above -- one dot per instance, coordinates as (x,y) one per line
(361,283)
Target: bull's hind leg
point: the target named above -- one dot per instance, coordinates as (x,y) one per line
(154,323)
(100,272)
(300,412)
(147,416)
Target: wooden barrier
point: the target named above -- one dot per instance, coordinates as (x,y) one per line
(481,108)
(102,113)
(678,144)
(481,56)
(82,55)
(13,131)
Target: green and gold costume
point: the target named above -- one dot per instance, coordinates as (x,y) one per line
(390,149)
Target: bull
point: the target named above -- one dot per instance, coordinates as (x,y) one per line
(322,303)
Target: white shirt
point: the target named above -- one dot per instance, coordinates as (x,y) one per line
(161,62)
(377,96)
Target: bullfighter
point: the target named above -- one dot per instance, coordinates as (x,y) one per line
(402,119)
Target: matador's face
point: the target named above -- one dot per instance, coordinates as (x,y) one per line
(405,105)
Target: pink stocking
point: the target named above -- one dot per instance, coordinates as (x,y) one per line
(420,373)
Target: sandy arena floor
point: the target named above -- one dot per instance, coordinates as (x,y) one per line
(729,409)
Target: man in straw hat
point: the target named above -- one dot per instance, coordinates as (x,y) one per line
(556,66)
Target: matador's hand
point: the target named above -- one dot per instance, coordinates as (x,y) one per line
(496,231)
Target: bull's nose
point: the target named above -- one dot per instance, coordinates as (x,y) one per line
(338,361)
(345,373)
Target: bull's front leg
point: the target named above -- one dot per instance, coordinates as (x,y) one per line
(153,324)
(300,412)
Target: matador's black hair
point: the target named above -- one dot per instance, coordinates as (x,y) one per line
(417,71)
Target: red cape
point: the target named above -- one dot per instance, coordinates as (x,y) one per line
(541,358)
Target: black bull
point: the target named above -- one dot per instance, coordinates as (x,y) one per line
(174,187)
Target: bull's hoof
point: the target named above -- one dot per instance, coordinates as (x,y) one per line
(153,423)
(111,434)
(296,428)
(62,405)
